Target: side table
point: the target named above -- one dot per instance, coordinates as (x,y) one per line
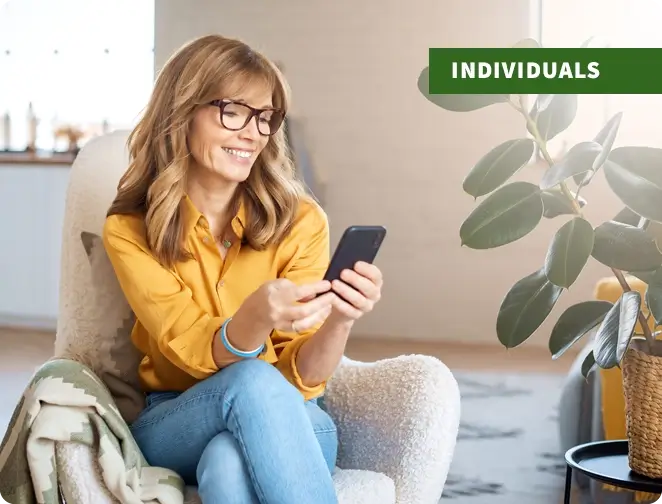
(606,461)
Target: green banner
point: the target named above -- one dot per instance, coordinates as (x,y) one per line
(545,70)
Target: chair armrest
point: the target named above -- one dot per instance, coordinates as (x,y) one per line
(399,417)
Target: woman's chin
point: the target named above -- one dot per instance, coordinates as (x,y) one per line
(233,173)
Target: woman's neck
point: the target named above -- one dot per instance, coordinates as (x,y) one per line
(213,198)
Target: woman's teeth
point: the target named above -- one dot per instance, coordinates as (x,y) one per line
(238,153)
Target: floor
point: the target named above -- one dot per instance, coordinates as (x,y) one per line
(24,349)
(507,413)
(465,356)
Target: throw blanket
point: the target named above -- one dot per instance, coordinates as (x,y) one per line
(65,402)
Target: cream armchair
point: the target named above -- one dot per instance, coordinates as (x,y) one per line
(397,418)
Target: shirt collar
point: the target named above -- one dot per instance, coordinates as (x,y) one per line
(192,217)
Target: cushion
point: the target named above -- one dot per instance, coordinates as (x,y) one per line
(352,486)
(110,352)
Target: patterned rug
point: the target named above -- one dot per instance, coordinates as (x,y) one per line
(508,450)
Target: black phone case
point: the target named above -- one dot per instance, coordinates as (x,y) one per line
(358,243)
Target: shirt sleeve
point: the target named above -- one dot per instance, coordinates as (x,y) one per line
(164,305)
(309,266)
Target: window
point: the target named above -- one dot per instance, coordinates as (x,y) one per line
(79,62)
(620,23)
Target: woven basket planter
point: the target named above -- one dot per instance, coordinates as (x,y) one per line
(642,385)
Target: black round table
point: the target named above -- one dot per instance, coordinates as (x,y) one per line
(606,461)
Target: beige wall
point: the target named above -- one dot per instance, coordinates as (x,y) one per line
(389,156)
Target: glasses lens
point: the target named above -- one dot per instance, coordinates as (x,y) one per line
(235,116)
(269,121)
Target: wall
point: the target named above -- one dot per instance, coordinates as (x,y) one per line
(388,155)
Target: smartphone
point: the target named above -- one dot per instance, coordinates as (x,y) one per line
(358,243)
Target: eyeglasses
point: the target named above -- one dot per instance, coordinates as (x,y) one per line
(235,116)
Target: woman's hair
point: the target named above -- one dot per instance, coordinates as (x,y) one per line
(154,184)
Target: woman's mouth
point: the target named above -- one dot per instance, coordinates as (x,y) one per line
(241,154)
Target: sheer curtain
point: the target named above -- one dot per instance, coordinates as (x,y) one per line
(80,62)
(619,23)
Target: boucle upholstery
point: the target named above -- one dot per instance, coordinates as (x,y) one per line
(398,418)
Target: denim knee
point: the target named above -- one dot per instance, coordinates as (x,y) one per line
(259,380)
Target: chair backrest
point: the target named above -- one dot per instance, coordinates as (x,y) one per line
(95,321)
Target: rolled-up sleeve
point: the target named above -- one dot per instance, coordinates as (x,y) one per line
(181,330)
(307,267)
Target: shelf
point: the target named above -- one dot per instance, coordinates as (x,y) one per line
(38,158)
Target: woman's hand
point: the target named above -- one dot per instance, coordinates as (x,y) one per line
(285,306)
(357,292)
(282,305)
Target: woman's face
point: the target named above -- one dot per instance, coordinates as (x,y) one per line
(222,151)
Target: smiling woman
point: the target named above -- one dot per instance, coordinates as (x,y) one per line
(221,254)
(199,127)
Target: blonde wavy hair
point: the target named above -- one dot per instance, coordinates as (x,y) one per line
(154,184)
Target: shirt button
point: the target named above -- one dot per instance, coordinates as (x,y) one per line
(205,239)
(221,283)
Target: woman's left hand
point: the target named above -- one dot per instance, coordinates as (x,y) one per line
(358,291)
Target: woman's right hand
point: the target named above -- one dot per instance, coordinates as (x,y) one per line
(282,305)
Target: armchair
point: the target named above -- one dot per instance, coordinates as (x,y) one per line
(397,418)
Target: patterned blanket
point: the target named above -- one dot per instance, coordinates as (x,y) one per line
(65,402)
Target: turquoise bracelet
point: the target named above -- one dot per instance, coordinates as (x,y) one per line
(224,338)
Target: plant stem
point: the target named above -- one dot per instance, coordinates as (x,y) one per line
(650,341)
(533,128)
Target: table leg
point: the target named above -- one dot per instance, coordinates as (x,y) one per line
(568,484)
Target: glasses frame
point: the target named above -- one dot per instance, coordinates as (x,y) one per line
(255,113)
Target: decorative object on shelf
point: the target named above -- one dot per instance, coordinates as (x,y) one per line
(33,123)
(626,332)
(6,131)
(72,133)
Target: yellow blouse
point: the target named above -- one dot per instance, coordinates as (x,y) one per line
(180,310)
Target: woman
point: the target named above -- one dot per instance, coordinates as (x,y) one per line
(221,256)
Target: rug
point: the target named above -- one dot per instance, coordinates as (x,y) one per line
(508,449)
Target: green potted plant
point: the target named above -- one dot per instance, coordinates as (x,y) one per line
(507,211)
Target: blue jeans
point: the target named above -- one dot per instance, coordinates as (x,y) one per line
(244,435)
